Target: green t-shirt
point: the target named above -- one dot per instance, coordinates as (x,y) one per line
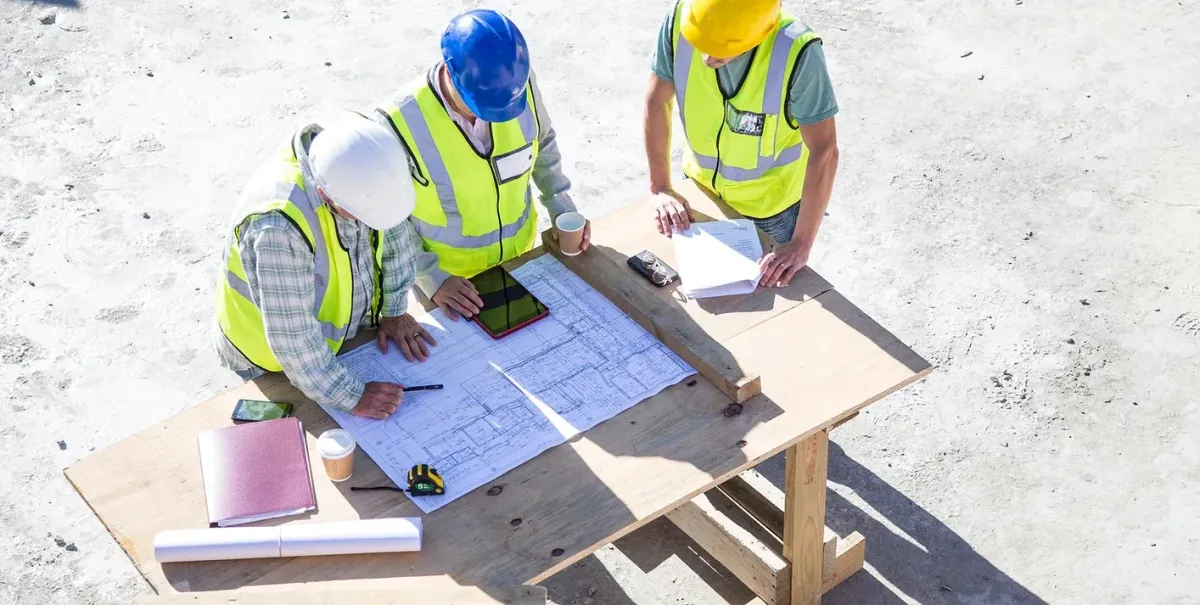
(810,98)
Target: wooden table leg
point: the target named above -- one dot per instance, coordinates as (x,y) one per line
(804,516)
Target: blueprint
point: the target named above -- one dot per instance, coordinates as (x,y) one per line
(506,401)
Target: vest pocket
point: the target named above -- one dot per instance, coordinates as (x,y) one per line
(767,143)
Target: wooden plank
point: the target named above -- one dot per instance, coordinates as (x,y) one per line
(765,502)
(836,340)
(825,357)
(804,517)
(851,555)
(669,323)
(750,560)
(844,420)
(450,595)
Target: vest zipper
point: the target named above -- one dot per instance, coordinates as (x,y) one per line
(377,303)
(358,236)
(352,282)
(717,168)
(499,218)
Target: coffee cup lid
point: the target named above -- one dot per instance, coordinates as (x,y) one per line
(335,443)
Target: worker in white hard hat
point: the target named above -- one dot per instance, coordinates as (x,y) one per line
(318,248)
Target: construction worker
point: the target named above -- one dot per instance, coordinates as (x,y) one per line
(757,108)
(319,247)
(478,132)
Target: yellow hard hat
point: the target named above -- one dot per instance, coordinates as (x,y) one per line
(727,28)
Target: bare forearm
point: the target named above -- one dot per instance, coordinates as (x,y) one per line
(818,187)
(658,134)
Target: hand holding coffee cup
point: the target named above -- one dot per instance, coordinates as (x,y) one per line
(573,233)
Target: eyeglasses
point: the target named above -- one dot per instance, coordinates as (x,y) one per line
(658,273)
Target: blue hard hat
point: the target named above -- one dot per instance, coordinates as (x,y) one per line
(488,63)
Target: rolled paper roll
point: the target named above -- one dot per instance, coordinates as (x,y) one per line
(351,537)
(216,544)
(399,534)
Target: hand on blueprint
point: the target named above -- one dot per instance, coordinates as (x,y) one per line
(406,332)
(779,265)
(672,212)
(457,296)
(379,400)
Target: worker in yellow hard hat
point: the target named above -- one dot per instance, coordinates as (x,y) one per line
(757,107)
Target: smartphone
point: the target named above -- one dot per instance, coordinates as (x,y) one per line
(652,268)
(251,410)
(507,305)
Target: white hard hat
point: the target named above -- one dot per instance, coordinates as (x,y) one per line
(363,168)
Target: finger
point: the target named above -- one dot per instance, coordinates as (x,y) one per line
(373,413)
(775,273)
(388,390)
(473,297)
(587,236)
(381,340)
(686,216)
(787,276)
(674,218)
(466,305)
(418,347)
(660,221)
(406,348)
(449,311)
(414,346)
(765,266)
(428,337)
(459,306)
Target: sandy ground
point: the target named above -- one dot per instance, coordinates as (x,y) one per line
(1016,201)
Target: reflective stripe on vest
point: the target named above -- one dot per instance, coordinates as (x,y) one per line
(760,174)
(473,209)
(279,186)
(452,234)
(298,198)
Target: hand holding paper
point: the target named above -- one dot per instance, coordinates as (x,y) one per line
(781,264)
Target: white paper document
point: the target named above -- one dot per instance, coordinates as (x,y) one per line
(506,401)
(718,258)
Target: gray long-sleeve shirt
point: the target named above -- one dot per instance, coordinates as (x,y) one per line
(548,176)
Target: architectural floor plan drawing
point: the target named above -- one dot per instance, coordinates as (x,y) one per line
(505,401)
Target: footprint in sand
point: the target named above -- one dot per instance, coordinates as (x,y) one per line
(16,349)
(118,315)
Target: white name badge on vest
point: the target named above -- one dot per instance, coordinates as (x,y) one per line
(514,164)
(744,122)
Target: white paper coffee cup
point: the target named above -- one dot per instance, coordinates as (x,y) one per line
(569,226)
(336,447)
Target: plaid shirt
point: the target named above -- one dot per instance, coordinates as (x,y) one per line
(280,271)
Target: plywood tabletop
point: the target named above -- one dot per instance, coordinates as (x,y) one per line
(819,357)
(450,595)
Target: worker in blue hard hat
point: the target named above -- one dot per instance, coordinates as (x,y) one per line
(477,132)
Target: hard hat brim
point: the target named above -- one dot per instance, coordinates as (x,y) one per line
(694,31)
(497,110)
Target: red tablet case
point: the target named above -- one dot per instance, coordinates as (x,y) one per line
(256,471)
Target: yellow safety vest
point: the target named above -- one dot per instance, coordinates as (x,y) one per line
(474,210)
(745,148)
(279,186)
